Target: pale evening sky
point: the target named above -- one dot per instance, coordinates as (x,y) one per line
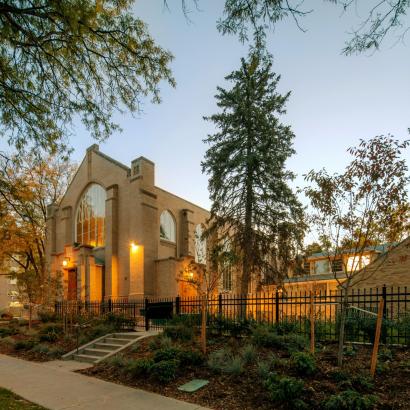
(335,99)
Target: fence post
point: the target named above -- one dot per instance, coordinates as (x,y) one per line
(384,330)
(177,306)
(109,305)
(220,313)
(277,306)
(146,314)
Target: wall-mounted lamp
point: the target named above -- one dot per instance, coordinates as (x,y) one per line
(66,261)
(134,247)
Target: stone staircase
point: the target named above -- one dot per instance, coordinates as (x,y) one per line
(105,346)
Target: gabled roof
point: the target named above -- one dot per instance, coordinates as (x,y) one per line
(377,249)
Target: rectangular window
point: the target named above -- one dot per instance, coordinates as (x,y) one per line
(337,265)
(322,267)
(306,267)
(227,277)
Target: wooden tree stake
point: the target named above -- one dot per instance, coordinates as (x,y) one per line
(203,326)
(377,338)
(312,324)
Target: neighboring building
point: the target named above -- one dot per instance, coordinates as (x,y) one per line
(320,269)
(391,268)
(9,295)
(115,234)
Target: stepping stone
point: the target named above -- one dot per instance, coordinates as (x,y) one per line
(193,385)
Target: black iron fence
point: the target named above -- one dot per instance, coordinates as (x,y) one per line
(288,311)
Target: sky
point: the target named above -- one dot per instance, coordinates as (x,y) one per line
(335,100)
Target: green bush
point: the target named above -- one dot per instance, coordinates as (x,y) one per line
(47,316)
(350,400)
(117,361)
(140,367)
(287,326)
(286,391)
(24,344)
(385,355)
(168,353)
(248,353)
(50,333)
(363,382)
(165,371)
(8,331)
(234,366)
(339,376)
(118,321)
(99,330)
(304,363)
(263,369)
(293,342)
(265,336)
(217,359)
(235,328)
(190,357)
(55,352)
(180,331)
(8,341)
(41,348)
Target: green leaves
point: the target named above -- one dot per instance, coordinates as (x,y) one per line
(60,61)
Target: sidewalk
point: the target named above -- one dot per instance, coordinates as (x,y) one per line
(53,385)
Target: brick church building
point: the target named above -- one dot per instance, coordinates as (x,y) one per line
(116,234)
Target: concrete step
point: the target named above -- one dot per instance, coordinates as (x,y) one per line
(117,341)
(105,346)
(130,336)
(86,358)
(91,351)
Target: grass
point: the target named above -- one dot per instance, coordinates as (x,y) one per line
(11,401)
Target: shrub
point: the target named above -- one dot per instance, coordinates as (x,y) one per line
(286,391)
(234,366)
(217,360)
(165,371)
(24,344)
(166,354)
(248,353)
(350,400)
(294,342)
(47,316)
(41,348)
(55,352)
(363,382)
(50,333)
(349,351)
(190,357)
(118,322)
(304,363)
(99,330)
(117,361)
(286,326)
(8,341)
(140,367)
(179,331)
(265,336)
(235,328)
(8,331)
(385,355)
(263,369)
(339,376)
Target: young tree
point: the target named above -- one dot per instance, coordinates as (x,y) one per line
(27,185)
(252,204)
(360,209)
(61,60)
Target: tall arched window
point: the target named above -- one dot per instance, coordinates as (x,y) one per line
(90,217)
(200,245)
(167,227)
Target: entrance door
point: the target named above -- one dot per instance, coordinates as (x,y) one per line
(72,284)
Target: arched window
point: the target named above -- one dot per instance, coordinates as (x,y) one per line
(90,217)
(167,228)
(200,245)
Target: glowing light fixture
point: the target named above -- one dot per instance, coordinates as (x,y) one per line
(134,247)
(66,261)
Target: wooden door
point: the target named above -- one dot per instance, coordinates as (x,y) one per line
(72,284)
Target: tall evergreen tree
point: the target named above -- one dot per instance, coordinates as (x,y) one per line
(252,204)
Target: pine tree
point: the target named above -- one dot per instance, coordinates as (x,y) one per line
(252,203)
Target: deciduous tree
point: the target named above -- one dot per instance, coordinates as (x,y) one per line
(74,59)
(358,209)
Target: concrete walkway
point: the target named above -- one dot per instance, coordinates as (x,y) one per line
(53,385)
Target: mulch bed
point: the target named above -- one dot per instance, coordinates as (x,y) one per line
(246,391)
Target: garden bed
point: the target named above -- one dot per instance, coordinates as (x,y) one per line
(48,340)
(261,370)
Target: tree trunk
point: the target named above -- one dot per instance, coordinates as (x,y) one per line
(30,315)
(203,324)
(342,327)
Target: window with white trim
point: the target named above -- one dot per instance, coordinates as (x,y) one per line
(167,227)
